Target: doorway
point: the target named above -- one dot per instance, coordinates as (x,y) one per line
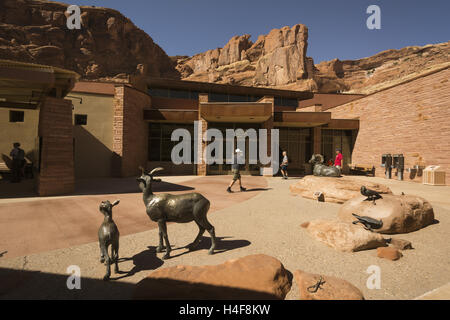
(225,168)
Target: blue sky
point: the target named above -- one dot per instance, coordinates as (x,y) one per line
(337,28)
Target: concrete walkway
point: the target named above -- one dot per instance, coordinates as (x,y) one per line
(267,223)
(36,224)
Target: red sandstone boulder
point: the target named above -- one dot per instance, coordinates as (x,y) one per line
(389,253)
(332,288)
(399,213)
(337,190)
(252,277)
(343,236)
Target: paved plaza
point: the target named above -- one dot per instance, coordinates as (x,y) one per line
(41,237)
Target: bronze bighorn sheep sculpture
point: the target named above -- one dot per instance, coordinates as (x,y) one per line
(319,169)
(108,235)
(182,208)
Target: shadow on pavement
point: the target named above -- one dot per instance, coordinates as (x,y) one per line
(221,245)
(143,261)
(24,284)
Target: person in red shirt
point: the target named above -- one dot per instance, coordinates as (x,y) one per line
(339,159)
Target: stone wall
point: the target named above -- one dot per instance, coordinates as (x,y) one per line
(130,132)
(411,118)
(56,174)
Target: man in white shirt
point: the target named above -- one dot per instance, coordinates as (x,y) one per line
(284,165)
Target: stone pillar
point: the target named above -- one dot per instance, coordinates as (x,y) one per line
(55,130)
(201,166)
(268,125)
(317,140)
(130,131)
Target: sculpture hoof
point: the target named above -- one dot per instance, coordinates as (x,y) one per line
(106,278)
(166,256)
(102,260)
(211,252)
(160,249)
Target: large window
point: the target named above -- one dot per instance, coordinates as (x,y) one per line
(333,139)
(223,97)
(159,144)
(298,144)
(173,93)
(286,102)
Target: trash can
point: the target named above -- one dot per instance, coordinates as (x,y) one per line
(433,175)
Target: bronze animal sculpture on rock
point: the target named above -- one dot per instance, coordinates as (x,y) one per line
(322,170)
(182,208)
(108,235)
(368,222)
(371,195)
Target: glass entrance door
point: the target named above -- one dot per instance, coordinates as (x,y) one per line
(225,168)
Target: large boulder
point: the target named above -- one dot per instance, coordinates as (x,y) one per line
(399,213)
(252,277)
(331,288)
(344,236)
(337,190)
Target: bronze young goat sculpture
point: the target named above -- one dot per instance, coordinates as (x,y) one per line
(108,235)
(182,208)
(319,169)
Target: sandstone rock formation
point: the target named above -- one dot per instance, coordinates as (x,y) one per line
(332,289)
(342,236)
(337,190)
(399,213)
(277,58)
(389,253)
(107,45)
(252,277)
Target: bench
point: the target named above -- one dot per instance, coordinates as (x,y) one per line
(28,169)
(362,168)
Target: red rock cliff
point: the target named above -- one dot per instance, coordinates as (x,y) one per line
(107,44)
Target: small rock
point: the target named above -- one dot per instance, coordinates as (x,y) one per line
(400,244)
(331,288)
(389,253)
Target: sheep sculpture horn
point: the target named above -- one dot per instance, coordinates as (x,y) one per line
(156,170)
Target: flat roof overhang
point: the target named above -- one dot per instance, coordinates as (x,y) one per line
(207,87)
(170,115)
(343,124)
(23,85)
(301,119)
(236,112)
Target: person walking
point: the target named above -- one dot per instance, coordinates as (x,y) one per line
(284,165)
(339,159)
(18,160)
(235,169)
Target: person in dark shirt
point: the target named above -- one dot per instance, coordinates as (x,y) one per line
(235,169)
(18,161)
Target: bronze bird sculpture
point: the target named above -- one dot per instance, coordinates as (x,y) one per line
(371,195)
